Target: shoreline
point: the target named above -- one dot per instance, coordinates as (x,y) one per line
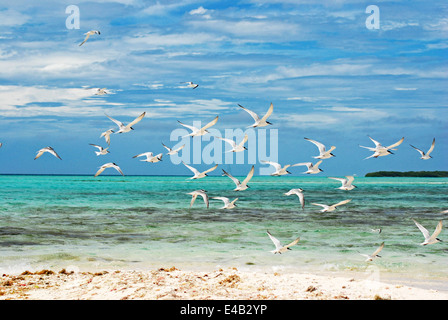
(171,283)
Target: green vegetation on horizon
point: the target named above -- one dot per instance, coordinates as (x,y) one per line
(431,174)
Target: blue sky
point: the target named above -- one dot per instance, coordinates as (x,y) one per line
(329,77)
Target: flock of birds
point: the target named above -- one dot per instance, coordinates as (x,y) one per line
(346,183)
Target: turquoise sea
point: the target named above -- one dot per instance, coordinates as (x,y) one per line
(145,222)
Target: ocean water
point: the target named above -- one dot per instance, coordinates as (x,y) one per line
(145,222)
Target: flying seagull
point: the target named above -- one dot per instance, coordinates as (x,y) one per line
(149,157)
(197,174)
(227,203)
(126,128)
(279,170)
(88,34)
(108,165)
(323,153)
(197,193)
(279,248)
(191,84)
(240,186)
(236,147)
(259,122)
(380,150)
(429,239)
(173,151)
(102,151)
(370,257)
(47,149)
(312,168)
(101,92)
(106,135)
(299,193)
(195,132)
(346,182)
(327,208)
(426,156)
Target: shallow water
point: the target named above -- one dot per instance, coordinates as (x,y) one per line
(145,222)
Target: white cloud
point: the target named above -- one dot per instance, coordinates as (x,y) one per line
(10,17)
(199,10)
(405,89)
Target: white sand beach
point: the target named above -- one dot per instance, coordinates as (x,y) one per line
(221,284)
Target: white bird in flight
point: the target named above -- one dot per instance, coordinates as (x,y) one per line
(196,132)
(197,193)
(197,174)
(279,248)
(299,193)
(312,168)
(49,150)
(126,128)
(191,84)
(88,34)
(370,257)
(429,239)
(380,150)
(426,156)
(172,151)
(259,122)
(323,152)
(149,157)
(227,203)
(106,135)
(101,92)
(279,170)
(346,182)
(102,151)
(327,208)
(108,165)
(240,186)
(236,147)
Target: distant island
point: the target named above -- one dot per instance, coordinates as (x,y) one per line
(426,174)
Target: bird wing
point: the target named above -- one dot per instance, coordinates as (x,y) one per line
(193,198)
(211,169)
(39,153)
(223,199)
(377,144)
(378,250)
(308,164)
(420,151)
(194,170)
(140,117)
(293,243)
(322,205)
(194,129)
(167,148)
(437,231)
(252,114)
(231,142)
(96,146)
(119,123)
(276,242)
(422,229)
(102,168)
(211,123)
(342,202)
(318,144)
(301,198)
(235,180)
(432,146)
(275,164)
(350,179)
(85,39)
(205,197)
(342,180)
(317,163)
(271,108)
(246,137)
(118,169)
(180,148)
(249,175)
(396,144)
(51,150)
